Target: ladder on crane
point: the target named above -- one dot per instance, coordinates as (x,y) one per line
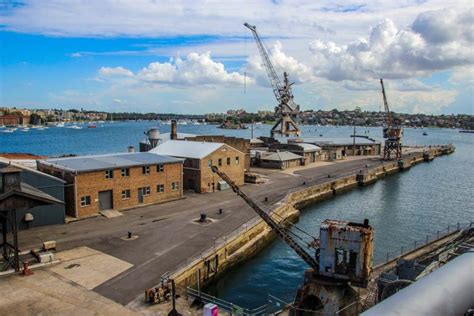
(287,109)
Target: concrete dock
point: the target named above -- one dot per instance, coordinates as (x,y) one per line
(168,236)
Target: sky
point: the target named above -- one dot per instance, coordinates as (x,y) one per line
(197,57)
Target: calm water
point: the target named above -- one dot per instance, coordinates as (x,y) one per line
(402,208)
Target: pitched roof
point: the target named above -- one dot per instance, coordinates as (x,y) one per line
(282,156)
(109,161)
(5,162)
(186,149)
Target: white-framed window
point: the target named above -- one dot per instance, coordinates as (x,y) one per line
(160,168)
(125,172)
(160,188)
(174,186)
(109,174)
(209,163)
(85,200)
(125,194)
(146,169)
(145,190)
(237,160)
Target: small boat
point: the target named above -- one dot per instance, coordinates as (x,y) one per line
(26,129)
(91,126)
(425,134)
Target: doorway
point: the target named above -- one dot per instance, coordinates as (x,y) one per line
(105,200)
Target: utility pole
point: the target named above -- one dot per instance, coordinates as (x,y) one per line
(354,140)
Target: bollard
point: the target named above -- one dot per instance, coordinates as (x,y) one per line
(266,199)
(129,234)
(304,182)
(220,211)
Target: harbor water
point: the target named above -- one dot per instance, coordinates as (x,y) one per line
(402,208)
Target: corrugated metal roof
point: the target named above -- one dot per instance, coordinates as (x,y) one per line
(309,147)
(338,141)
(109,161)
(186,149)
(4,162)
(282,156)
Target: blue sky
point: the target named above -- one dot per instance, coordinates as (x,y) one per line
(193,57)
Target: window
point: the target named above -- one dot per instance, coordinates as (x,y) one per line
(219,162)
(125,194)
(85,201)
(125,172)
(109,174)
(228,161)
(160,168)
(209,163)
(160,188)
(174,186)
(145,190)
(237,161)
(146,169)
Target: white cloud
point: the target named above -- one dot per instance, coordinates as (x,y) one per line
(194,70)
(115,72)
(390,52)
(299,72)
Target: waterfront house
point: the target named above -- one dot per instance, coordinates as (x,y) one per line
(199,157)
(116,181)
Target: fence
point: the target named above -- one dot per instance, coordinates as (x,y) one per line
(407,248)
(273,306)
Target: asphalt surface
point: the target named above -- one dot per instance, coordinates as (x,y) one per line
(167,233)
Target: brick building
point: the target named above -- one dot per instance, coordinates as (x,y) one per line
(116,181)
(199,157)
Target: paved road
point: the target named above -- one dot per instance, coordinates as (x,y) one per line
(167,233)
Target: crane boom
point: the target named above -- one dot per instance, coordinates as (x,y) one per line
(272,75)
(385,104)
(287,109)
(279,230)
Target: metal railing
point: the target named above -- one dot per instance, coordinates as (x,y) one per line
(431,237)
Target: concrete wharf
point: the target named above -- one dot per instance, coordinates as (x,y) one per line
(169,238)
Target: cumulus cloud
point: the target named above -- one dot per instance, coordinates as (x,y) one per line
(115,72)
(299,72)
(433,43)
(195,69)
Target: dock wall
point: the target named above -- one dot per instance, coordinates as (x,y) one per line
(251,237)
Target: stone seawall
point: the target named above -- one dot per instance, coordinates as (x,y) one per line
(244,244)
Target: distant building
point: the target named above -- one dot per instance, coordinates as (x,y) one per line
(49,185)
(281,160)
(310,152)
(199,157)
(116,181)
(339,147)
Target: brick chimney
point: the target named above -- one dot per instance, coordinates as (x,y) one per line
(174,130)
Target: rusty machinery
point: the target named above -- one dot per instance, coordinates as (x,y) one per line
(392,132)
(341,255)
(287,110)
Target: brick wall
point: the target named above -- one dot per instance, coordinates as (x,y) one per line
(233,170)
(91,183)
